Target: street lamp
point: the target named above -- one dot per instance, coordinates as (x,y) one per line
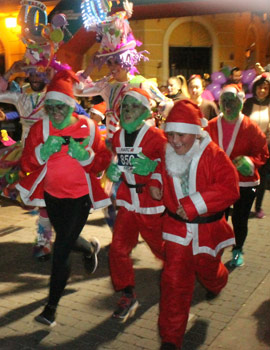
(11,22)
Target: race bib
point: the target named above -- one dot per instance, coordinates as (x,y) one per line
(125,155)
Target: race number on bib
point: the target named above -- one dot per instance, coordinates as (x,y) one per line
(125,155)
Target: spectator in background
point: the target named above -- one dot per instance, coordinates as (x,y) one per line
(258,109)
(177,88)
(195,88)
(235,78)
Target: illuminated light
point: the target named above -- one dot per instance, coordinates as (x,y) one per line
(11,22)
(94,12)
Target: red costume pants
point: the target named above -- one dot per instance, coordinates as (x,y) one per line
(177,284)
(127,227)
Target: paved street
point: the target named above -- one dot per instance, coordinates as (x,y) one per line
(238,320)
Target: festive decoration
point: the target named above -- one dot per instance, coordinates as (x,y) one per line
(94,12)
(6,139)
(248,76)
(113,32)
(215,89)
(42,39)
(218,78)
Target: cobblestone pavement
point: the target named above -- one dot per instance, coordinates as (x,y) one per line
(238,319)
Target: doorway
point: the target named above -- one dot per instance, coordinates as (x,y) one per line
(189,60)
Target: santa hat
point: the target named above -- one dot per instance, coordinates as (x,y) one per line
(185,117)
(99,109)
(61,88)
(140,95)
(234,88)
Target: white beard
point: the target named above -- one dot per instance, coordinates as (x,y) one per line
(177,165)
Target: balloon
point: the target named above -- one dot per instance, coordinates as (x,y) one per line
(215,89)
(248,76)
(218,78)
(250,86)
(248,96)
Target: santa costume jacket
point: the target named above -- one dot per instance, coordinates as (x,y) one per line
(213,187)
(151,142)
(247,140)
(31,187)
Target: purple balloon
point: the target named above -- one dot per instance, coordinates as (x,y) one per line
(218,78)
(59,20)
(215,89)
(248,76)
(248,96)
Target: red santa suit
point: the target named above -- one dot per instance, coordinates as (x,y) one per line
(248,140)
(193,248)
(138,212)
(79,178)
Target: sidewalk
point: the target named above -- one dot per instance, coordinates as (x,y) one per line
(238,320)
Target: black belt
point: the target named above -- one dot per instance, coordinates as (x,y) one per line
(198,219)
(67,139)
(139,187)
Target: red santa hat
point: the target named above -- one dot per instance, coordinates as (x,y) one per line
(234,89)
(99,109)
(185,117)
(61,88)
(140,95)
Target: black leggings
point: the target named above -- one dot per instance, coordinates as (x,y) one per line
(240,215)
(68,217)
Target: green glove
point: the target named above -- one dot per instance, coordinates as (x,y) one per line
(76,149)
(113,172)
(243,165)
(52,145)
(143,165)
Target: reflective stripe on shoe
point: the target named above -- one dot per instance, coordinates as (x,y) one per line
(237,258)
(91,261)
(127,307)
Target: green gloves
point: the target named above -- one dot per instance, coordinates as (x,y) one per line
(52,145)
(143,165)
(77,150)
(243,165)
(113,172)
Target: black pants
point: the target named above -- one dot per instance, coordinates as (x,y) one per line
(263,171)
(240,215)
(68,217)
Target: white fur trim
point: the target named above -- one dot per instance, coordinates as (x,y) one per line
(199,203)
(37,153)
(93,110)
(251,164)
(59,96)
(144,100)
(183,128)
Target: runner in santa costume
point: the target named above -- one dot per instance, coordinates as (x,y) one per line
(198,182)
(246,145)
(138,147)
(63,154)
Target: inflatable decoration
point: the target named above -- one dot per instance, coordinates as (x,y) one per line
(248,76)
(42,39)
(218,78)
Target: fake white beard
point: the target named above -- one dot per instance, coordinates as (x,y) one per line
(176,164)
